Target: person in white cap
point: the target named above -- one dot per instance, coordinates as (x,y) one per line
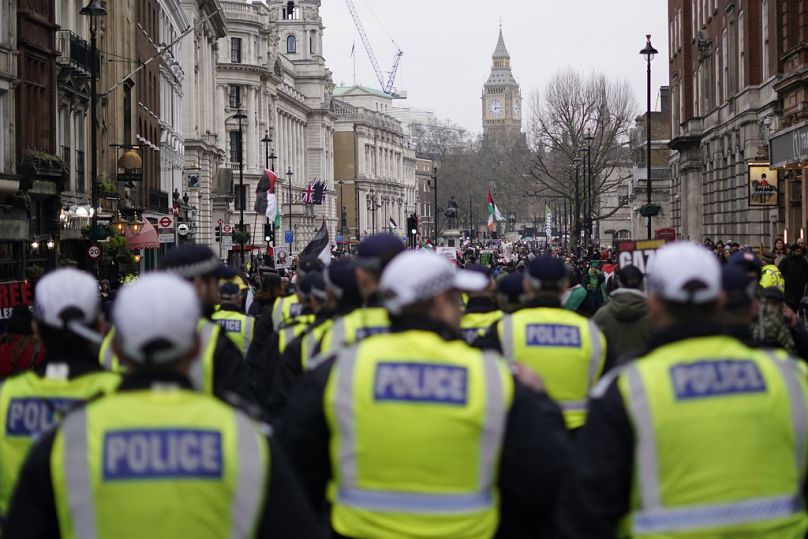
(67,319)
(413,433)
(158,459)
(701,437)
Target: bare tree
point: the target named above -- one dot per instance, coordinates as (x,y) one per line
(572,106)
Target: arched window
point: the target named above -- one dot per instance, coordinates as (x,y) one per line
(291,44)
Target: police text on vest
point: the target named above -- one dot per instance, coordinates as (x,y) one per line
(34,415)
(716,378)
(420,382)
(230,326)
(162,453)
(552,335)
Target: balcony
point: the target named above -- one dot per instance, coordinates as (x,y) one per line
(74,53)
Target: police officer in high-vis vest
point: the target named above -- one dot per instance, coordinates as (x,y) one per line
(481,310)
(235,324)
(565,349)
(701,437)
(67,320)
(414,433)
(372,256)
(158,459)
(343,296)
(221,368)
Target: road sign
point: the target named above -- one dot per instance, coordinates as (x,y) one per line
(227,243)
(165,235)
(220,221)
(182,229)
(227,229)
(94,251)
(166,222)
(289,236)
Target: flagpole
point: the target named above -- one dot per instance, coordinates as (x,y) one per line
(353,55)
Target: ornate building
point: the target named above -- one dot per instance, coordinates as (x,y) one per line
(501,98)
(271,67)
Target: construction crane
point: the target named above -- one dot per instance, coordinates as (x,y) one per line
(388,86)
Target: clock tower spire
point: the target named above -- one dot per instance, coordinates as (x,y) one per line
(501,98)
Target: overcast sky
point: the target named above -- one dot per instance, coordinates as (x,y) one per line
(448,44)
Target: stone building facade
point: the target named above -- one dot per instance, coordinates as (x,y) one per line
(723,68)
(271,67)
(374,160)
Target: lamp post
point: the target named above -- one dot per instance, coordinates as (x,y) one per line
(343,214)
(269,162)
(589,184)
(289,179)
(241,198)
(648,51)
(435,208)
(94,10)
(577,208)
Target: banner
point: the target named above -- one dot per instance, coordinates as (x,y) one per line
(281,257)
(13,295)
(638,253)
(762,184)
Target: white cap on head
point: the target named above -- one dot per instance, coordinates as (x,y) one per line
(68,299)
(156,318)
(684,272)
(417,276)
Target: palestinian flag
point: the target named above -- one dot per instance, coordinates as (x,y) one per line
(319,246)
(273,211)
(493,212)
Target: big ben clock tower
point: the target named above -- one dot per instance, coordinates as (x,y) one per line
(501,99)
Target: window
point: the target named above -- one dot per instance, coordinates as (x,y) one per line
(235,50)
(291,44)
(717,67)
(80,184)
(696,111)
(741,52)
(671,46)
(235,96)
(765,34)
(725,64)
(235,146)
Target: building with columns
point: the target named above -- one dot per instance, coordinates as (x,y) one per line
(203,154)
(375,162)
(270,66)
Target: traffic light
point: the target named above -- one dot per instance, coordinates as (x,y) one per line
(412,228)
(268,232)
(218,233)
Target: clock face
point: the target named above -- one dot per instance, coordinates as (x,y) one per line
(495,107)
(516,107)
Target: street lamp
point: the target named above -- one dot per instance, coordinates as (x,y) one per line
(266,140)
(94,10)
(435,209)
(577,228)
(289,176)
(648,51)
(241,198)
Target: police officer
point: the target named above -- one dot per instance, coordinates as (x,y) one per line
(481,311)
(343,297)
(67,320)
(511,292)
(566,350)
(157,459)
(235,324)
(408,429)
(372,256)
(284,311)
(701,437)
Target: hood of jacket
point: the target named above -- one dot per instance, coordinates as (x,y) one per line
(628,305)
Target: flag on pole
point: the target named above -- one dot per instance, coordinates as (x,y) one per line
(319,192)
(393,226)
(319,246)
(269,182)
(353,46)
(493,212)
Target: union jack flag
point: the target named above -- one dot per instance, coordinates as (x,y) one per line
(307,196)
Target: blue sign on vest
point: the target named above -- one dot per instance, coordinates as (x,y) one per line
(295,309)
(553,335)
(289,236)
(716,378)
(470,334)
(162,453)
(363,333)
(230,326)
(420,382)
(32,416)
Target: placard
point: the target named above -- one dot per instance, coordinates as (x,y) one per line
(12,295)
(281,257)
(637,253)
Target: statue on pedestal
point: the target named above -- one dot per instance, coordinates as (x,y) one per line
(451,213)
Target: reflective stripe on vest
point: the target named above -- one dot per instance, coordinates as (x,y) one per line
(506,342)
(653,517)
(106,355)
(248,333)
(277,313)
(349,494)
(80,500)
(201,373)
(594,360)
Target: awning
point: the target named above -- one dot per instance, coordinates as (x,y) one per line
(237,247)
(147,239)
